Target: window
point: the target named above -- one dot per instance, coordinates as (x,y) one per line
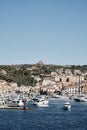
(67,80)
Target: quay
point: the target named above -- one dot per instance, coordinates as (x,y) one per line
(5,106)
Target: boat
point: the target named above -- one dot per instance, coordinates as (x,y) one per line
(77,98)
(40,101)
(83,99)
(67,106)
(63,97)
(55,95)
(2,101)
(15,103)
(80,99)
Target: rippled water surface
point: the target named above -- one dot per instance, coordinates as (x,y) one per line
(53,117)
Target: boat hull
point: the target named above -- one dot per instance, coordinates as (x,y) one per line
(15,104)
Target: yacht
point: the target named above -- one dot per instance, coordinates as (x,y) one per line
(15,103)
(77,98)
(55,95)
(67,105)
(80,99)
(83,99)
(40,101)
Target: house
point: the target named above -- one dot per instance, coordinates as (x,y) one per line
(85,87)
(77,72)
(46,82)
(70,90)
(68,71)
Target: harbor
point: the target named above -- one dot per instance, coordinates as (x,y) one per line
(52,117)
(39,101)
(17,108)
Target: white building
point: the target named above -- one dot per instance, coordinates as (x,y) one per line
(47,82)
(71,90)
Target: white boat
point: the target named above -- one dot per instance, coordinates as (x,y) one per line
(40,101)
(80,99)
(2,101)
(63,97)
(83,99)
(67,105)
(15,103)
(55,95)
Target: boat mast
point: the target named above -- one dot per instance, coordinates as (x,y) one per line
(80,91)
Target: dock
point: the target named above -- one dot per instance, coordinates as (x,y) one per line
(5,106)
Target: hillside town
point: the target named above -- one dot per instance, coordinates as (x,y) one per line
(62,83)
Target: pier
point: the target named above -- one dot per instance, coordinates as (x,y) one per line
(5,106)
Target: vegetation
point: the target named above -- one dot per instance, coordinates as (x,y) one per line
(24,74)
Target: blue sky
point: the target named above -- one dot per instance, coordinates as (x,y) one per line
(54,31)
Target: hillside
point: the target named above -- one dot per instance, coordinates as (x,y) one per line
(23,74)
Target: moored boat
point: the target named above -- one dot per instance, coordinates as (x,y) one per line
(77,98)
(15,103)
(40,101)
(80,99)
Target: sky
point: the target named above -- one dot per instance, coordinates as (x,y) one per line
(54,31)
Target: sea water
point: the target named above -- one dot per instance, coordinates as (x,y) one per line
(51,117)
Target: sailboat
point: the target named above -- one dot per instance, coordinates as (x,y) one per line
(79,97)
